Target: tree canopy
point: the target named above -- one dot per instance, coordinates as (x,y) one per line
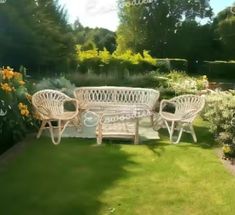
(35,34)
(153,26)
(225,29)
(97,38)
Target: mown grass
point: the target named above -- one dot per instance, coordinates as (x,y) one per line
(77,177)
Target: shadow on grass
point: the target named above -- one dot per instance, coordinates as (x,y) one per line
(65,179)
(205,140)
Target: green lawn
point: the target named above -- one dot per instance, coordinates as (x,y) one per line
(79,178)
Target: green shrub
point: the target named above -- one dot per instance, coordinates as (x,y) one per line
(15,115)
(163,65)
(105,62)
(220,112)
(178,82)
(229,151)
(92,79)
(61,83)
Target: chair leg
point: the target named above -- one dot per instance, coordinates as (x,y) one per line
(193,133)
(167,126)
(172,131)
(62,128)
(99,139)
(179,136)
(55,138)
(41,128)
(172,128)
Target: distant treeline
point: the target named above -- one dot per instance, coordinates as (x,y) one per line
(36,34)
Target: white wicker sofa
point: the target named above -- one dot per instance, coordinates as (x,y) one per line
(118,109)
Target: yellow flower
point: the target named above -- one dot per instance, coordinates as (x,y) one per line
(17,75)
(21,82)
(226,149)
(7,73)
(24,112)
(29,97)
(23,109)
(6,87)
(21,105)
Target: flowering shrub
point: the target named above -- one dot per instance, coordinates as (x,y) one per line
(229,151)
(178,82)
(219,111)
(15,116)
(106,57)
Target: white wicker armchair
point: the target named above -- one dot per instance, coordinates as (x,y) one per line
(185,110)
(49,106)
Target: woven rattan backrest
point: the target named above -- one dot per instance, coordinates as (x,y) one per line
(186,103)
(49,100)
(104,96)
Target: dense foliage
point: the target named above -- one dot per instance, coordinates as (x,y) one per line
(35,34)
(178,82)
(220,112)
(98,38)
(155,26)
(128,62)
(173,29)
(104,61)
(218,69)
(15,114)
(60,83)
(225,29)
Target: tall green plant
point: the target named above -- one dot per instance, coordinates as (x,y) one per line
(220,112)
(15,114)
(35,34)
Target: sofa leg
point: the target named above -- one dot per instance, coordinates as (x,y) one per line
(99,139)
(99,134)
(136,139)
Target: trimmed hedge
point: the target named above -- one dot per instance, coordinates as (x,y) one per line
(218,69)
(127,63)
(168,64)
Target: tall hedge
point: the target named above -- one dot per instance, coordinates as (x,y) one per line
(168,64)
(218,69)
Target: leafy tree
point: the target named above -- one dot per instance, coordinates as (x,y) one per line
(35,34)
(89,38)
(191,41)
(225,29)
(152,26)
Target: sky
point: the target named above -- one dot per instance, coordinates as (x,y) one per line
(104,13)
